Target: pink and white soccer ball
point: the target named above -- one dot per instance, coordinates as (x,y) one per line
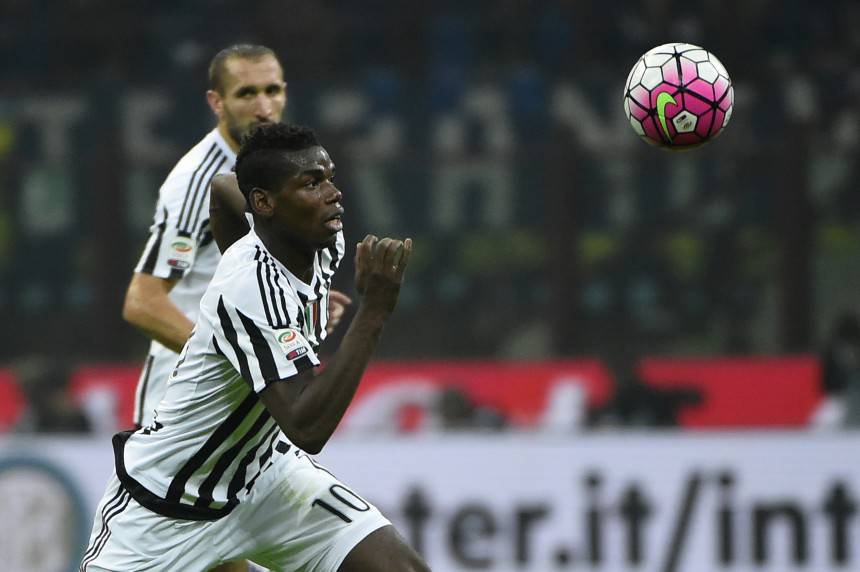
(678,96)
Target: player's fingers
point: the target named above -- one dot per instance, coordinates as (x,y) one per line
(381,254)
(403,257)
(391,254)
(370,240)
(335,313)
(359,254)
(339,297)
(364,251)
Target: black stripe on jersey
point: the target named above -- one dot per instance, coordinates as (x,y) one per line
(304,300)
(238,480)
(218,437)
(276,272)
(148,500)
(250,484)
(152,256)
(140,405)
(280,322)
(212,149)
(264,464)
(322,301)
(204,493)
(261,284)
(230,334)
(325,283)
(271,291)
(204,235)
(192,223)
(335,256)
(262,351)
(267,454)
(217,347)
(282,296)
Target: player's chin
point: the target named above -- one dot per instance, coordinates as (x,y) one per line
(329,240)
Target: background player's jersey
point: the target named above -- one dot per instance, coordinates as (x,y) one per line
(212,436)
(181,246)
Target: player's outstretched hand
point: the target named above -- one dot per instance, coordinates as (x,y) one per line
(337,303)
(379,268)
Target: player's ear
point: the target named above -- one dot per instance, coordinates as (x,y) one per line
(261,202)
(215,101)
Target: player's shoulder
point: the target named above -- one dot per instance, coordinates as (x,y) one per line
(239,258)
(250,280)
(242,264)
(209,156)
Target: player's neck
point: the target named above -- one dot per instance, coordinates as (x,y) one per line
(225,134)
(296,256)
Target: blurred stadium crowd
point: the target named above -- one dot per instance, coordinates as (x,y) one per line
(491,132)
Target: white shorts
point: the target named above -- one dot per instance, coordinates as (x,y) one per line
(298,517)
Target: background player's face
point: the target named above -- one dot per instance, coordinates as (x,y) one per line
(307,206)
(254,93)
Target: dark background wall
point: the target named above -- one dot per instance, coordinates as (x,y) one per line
(494,134)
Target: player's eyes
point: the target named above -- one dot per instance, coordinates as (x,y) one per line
(274,90)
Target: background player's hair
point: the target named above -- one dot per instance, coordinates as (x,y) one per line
(261,161)
(217,67)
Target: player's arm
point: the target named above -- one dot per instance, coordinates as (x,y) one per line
(227,211)
(308,408)
(149,308)
(168,255)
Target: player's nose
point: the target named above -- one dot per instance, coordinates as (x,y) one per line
(265,108)
(335,196)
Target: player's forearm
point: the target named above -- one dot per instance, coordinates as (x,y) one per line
(160,320)
(324,401)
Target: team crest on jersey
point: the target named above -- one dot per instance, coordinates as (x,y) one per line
(181,253)
(292,343)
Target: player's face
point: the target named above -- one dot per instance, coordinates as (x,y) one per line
(307,207)
(254,93)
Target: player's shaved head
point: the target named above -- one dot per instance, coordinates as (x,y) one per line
(218,65)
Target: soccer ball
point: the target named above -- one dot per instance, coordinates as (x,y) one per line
(678,96)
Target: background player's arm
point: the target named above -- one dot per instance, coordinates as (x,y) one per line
(226,211)
(308,408)
(148,307)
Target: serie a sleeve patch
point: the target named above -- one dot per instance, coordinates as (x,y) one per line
(292,343)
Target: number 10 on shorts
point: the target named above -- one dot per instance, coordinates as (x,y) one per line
(344,498)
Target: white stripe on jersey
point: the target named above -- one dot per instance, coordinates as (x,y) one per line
(213,437)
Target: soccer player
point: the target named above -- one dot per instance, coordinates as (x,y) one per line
(224,471)
(247,89)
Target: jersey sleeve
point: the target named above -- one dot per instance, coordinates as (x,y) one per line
(174,239)
(263,352)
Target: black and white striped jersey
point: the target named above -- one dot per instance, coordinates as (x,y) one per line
(212,437)
(181,246)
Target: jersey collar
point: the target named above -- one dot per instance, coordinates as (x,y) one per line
(222,144)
